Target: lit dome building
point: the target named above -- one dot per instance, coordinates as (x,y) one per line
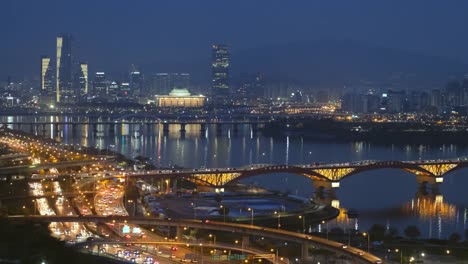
(180,97)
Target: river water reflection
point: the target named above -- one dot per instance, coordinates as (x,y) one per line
(387,196)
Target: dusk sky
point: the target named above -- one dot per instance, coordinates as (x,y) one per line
(110,35)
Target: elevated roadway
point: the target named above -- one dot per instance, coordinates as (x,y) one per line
(305,240)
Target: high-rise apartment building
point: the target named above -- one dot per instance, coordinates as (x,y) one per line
(83,79)
(136,84)
(64,89)
(47,76)
(100,84)
(220,70)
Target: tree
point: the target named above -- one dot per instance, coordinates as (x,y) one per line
(377,232)
(218,198)
(412,232)
(392,232)
(454,237)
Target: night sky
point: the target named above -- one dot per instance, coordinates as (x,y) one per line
(111,35)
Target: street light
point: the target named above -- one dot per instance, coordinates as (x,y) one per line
(224,212)
(368,240)
(201,252)
(251,216)
(303,223)
(401,255)
(323,222)
(279,218)
(214,238)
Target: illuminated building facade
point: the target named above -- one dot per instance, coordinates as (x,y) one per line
(47,77)
(180,97)
(100,84)
(64,89)
(136,84)
(83,79)
(220,70)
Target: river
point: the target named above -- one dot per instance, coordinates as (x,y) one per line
(387,196)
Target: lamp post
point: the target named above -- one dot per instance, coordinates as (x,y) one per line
(303,223)
(201,252)
(276,255)
(214,238)
(368,240)
(279,218)
(224,212)
(194,210)
(251,215)
(323,222)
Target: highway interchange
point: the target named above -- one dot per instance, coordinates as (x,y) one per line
(97,220)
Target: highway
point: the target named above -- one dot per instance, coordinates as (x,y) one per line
(279,234)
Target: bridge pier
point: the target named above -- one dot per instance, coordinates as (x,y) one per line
(305,252)
(219,129)
(433,181)
(254,128)
(325,189)
(182,128)
(165,128)
(235,128)
(44,130)
(202,128)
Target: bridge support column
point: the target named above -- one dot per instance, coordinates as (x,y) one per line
(44,130)
(245,240)
(182,128)
(219,129)
(305,251)
(325,189)
(179,233)
(165,128)
(202,128)
(433,181)
(111,129)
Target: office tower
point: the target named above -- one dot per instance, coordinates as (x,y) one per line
(113,90)
(220,70)
(161,84)
(83,79)
(136,84)
(125,90)
(100,84)
(180,80)
(47,77)
(64,89)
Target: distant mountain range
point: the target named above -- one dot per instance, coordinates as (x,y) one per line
(332,63)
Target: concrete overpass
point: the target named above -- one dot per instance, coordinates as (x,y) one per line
(305,241)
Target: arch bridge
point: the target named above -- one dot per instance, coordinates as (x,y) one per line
(323,175)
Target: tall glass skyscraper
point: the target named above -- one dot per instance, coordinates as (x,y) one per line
(220,70)
(64,85)
(83,78)
(47,76)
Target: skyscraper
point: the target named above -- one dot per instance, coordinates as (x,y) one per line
(83,79)
(161,84)
(100,84)
(136,84)
(47,82)
(220,70)
(64,89)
